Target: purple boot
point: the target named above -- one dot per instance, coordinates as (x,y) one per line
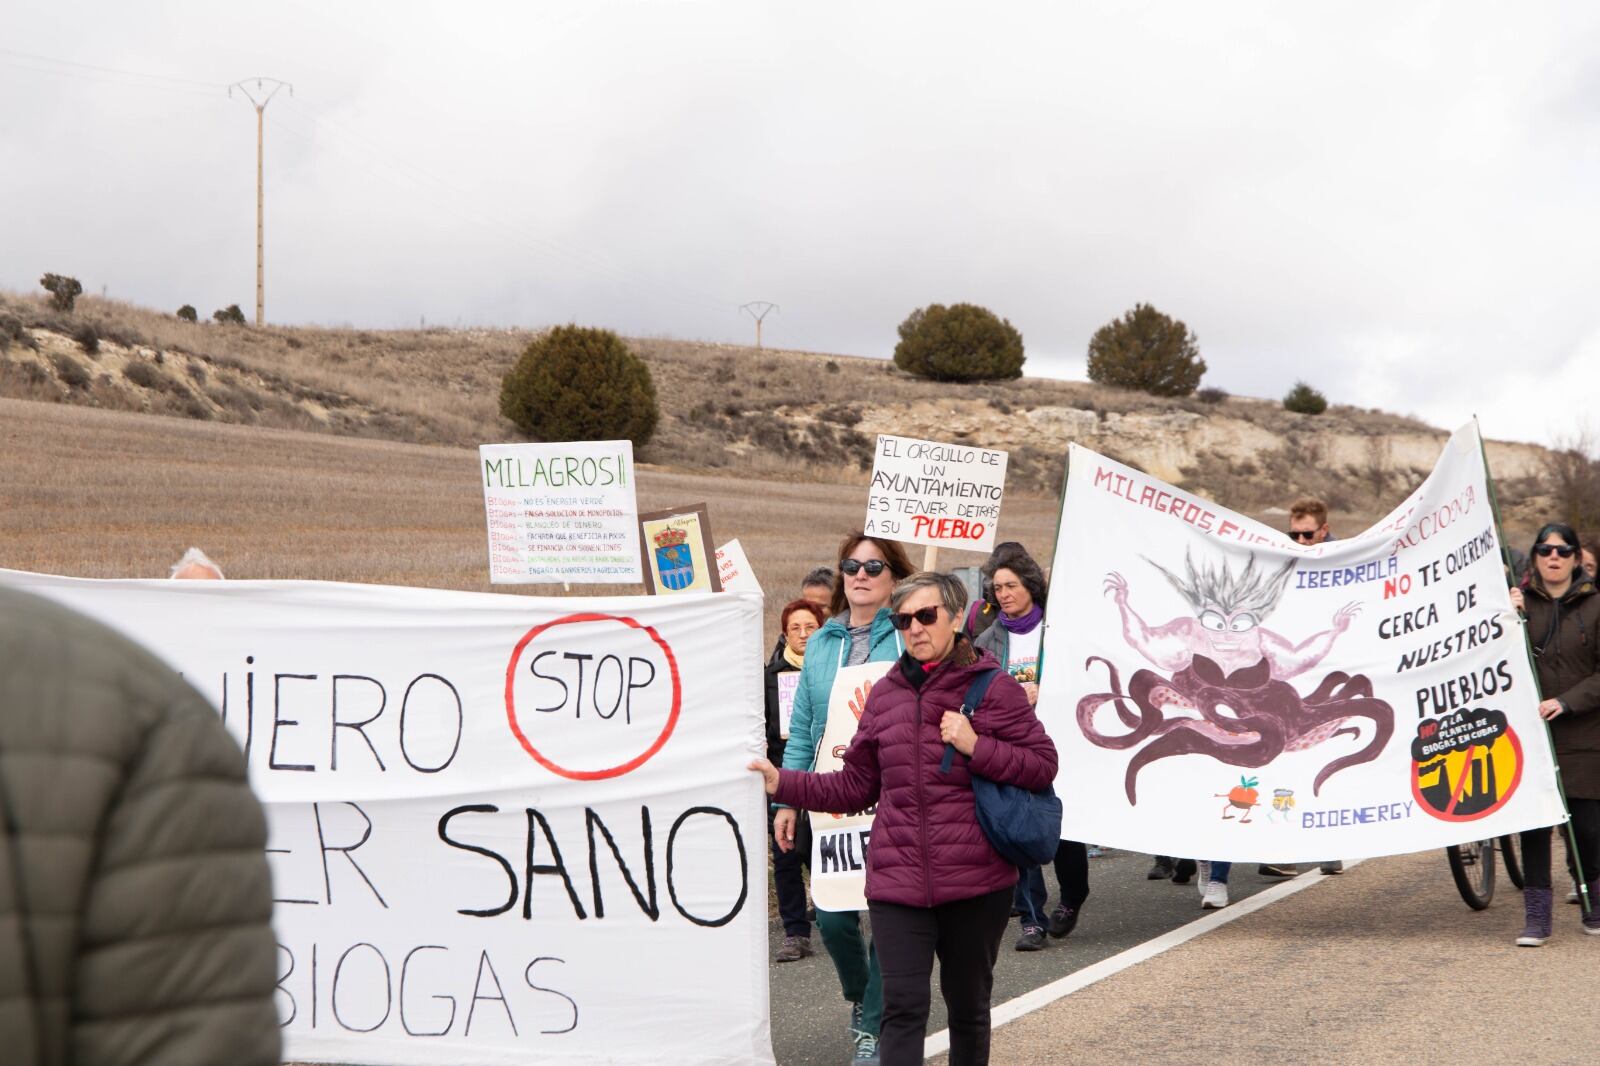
(1591,920)
(1536,905)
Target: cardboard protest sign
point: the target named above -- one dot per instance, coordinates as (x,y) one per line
(788,685)
(1217,691)
(733,569)
(676,552)
(839,841)
(561,512)
(500,826)
(942,495)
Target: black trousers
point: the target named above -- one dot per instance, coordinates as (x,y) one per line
(788,882)
(965,937)
(1585,827)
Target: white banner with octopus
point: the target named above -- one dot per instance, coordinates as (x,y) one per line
(1219,691)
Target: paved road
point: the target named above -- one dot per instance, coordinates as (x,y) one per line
(1382,965)
(809,1017)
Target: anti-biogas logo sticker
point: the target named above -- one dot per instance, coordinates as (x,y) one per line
(1465,765)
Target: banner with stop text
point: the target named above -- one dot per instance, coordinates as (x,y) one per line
(839,842)
(503,829)
(1219,691)
(941,495)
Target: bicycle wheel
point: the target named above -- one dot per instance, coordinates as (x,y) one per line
(1511,855)
(1472,866)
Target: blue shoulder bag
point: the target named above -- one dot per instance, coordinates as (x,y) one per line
(1023,826)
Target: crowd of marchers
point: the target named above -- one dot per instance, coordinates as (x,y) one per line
(935,888)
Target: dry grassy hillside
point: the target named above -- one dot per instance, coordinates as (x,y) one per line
(788,416)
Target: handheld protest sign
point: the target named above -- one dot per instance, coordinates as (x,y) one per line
(561,512)
(839,841)
(676,553)
(733,569)
(939,495)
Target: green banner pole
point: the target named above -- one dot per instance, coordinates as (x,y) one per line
(1533,666)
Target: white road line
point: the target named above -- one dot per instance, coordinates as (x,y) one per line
(1045,995)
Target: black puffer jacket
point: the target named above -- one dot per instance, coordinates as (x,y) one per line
(1565,636)
(135,899)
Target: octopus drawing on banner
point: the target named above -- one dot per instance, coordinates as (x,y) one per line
(1221,687)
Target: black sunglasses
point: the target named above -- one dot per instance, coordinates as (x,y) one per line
(1565,551)
(1302,534)
(852,567)
(927,616)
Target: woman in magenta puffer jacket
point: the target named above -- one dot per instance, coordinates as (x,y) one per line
(935,886)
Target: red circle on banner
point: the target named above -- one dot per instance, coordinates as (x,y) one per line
(610,771)
(1449,815)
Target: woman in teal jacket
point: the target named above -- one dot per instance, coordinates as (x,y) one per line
(859,632)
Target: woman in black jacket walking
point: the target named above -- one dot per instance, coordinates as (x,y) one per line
(1563,611)
(799,620)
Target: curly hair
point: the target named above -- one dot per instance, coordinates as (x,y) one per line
(1014,557)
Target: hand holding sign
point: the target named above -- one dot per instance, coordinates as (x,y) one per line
(769,774)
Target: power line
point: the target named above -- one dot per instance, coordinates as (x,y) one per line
(109,70)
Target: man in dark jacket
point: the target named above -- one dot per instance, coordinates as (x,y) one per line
(135,898)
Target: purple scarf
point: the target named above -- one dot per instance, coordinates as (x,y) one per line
(1026,623)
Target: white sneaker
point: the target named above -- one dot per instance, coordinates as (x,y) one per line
(1202,878)
(1216,896)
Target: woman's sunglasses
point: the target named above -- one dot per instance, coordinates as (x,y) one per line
(873,567)
(927,616)
(1565,551)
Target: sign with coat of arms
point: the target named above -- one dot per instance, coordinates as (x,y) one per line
(677,552)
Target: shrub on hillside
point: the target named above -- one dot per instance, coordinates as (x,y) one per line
(229,316)
(11,330)
(188,313)
(71,372)
(962,342)
(1304,400)
(1211,394)
(64,291)
(1148,351)
(87,337)
(576,383)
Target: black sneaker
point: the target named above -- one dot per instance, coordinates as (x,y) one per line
(1161,870)
(1032,939)
(1063,920)
(1183,871)
(794,949)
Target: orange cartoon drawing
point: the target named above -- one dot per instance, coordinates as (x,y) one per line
(1243,796)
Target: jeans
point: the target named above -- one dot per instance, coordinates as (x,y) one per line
(965,937)
(1585,829)
(1072,873)
(857,962)
(1220,871)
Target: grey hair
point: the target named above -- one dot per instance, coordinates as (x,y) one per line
(821,576)
(951,591)
(194,557)
(1217,587)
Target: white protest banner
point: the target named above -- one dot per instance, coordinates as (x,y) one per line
(1218,692)
(561,512)
(504,829)
(733,567)
(788,685)
(943,495)
(839,841)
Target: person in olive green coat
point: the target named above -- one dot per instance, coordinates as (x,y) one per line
(135,897)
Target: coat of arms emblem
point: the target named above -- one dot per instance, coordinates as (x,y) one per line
(674,560)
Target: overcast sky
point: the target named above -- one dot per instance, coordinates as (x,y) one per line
(1396,203)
